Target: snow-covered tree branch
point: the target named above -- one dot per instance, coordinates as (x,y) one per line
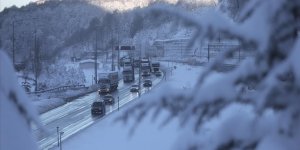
(17,114)
(269,29)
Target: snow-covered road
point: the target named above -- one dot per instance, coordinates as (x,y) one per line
(75,116)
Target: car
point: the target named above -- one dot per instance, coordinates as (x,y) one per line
(158,73)
(108,99)
(103,90)
(145,73)
(134,88)
(98,108)
(147,83)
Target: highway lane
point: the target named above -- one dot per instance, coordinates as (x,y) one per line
(75,116)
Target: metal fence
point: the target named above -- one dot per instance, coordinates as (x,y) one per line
(58,89)
(178,49)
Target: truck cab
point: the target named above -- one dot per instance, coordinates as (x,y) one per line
(104,85)
(108,82)
(155,66)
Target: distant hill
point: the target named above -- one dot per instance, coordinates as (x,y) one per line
(54,26)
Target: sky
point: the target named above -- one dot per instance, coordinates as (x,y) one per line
(107,4)
(9,3)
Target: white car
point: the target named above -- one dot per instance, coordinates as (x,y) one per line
(134,88)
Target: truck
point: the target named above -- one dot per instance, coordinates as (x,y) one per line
(128,74)
(108,81)
(155,66)
(127,62)
(136,63)
(145,67)
(128,70)
(123,60)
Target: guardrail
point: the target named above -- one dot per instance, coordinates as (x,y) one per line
(26,77)
(57,89)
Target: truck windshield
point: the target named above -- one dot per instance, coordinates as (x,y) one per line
(145,68)
(103,81)
(127,71)
(97,104)
(145,64)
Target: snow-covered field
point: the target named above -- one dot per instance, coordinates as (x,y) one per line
(108,134)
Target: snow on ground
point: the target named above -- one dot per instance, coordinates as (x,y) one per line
(44,105)
(107,134)
(47,101)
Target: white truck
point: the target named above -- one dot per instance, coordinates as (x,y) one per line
(128,70)
(145,67)
(108,81)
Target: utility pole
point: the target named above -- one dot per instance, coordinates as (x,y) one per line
(239,55)
(96,55)
(13,41)
(60,136)
(112,51)
(118,103)
(57,130)
(36,60)
(238,9)
(118,52)
(208,52)
(112,57)
(140,57)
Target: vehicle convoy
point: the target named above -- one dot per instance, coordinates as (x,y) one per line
(98,108)
(128,70)
(155,66)
(108,82)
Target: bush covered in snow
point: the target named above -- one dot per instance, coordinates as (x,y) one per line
(59,75)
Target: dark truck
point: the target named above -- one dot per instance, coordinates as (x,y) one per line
(155,66)
(108,82)
(145,67)
(136,63)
